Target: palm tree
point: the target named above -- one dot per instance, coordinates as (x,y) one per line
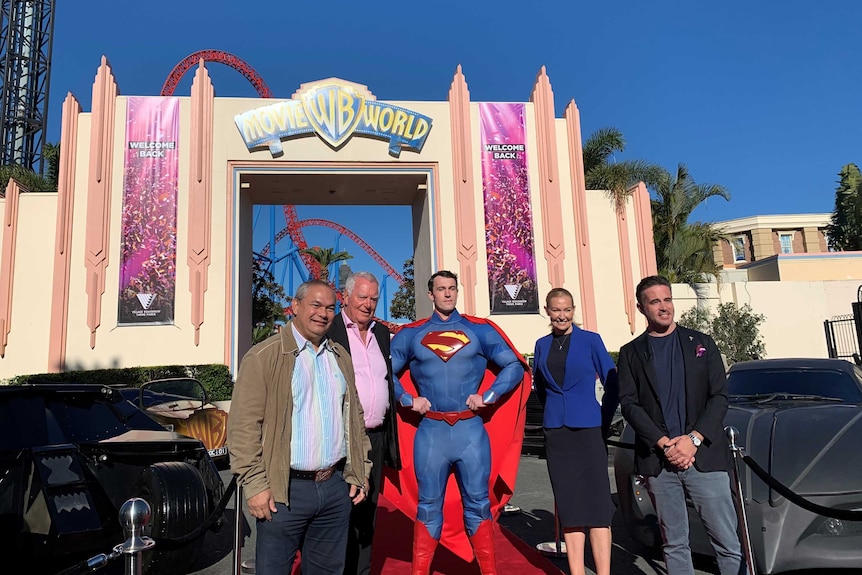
(618,178)
(31,180)
(325,257)
(684,250)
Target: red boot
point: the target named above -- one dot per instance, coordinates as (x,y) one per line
(483,547)
(423,549)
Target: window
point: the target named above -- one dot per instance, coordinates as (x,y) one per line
(786,241)
(738,245)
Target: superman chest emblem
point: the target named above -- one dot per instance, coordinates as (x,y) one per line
(445,344)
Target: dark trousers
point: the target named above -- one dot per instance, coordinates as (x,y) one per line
(315,522)
(363,516)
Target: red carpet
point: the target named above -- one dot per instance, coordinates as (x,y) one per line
(393,541)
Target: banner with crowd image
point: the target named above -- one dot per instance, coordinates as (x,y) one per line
(508,212)
(148,255)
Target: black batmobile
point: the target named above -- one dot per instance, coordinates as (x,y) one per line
(801,421)
(71,455)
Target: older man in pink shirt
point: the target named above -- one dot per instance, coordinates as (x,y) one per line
(368,344)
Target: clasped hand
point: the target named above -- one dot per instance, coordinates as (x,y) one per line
(680,452)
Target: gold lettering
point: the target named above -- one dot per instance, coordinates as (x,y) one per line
(407,134)
(281,112)
(372,114)
(345,110)
(266,121)
(318,108)
(386,117)
(300,117)
(250,127)
(421,128)
(398,124)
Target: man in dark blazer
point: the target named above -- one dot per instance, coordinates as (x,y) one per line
(673,394)
(368,344)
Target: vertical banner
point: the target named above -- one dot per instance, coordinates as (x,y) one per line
(148,256)
(508,212)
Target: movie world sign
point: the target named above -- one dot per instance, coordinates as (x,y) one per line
(334,110)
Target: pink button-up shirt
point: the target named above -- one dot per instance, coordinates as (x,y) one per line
(369,365)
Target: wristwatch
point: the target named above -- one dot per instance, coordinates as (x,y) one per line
(695,439)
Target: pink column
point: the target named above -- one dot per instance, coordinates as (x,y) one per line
(643,224)
(200,193)
(626,263)
(463,187)
(582,229)
(99,193)
(549,184)
(58,328)
(7,261)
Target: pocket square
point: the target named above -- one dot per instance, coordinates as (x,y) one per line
(700,350)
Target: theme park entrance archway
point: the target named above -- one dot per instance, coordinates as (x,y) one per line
(326,183)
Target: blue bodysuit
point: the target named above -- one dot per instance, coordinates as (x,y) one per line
(447,361)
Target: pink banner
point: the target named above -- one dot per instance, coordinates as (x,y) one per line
(508,211)
(148,259)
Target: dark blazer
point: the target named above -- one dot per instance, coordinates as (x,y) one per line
(705,400)
(338,332)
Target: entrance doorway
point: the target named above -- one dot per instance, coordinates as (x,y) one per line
(274,190)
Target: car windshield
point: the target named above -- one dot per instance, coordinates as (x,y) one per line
(31,420)
(792,383)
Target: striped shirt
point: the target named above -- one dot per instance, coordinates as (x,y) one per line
(318,436)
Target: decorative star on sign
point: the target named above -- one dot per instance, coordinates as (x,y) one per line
(445,344)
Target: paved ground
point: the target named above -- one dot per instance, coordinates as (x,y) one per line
(534,523)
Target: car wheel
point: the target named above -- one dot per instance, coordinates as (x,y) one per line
(178,499)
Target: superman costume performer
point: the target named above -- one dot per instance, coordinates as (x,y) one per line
(448,359)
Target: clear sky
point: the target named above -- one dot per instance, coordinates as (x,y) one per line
(760,97)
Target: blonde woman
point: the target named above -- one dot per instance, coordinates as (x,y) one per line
(566,365)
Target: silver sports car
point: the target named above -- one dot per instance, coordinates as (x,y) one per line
(801,421)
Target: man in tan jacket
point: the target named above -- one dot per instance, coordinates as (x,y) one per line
(297,442)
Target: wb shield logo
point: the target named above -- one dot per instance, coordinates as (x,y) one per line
(513,290)
(146,299)
(334,111)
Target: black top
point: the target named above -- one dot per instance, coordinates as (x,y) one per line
(557,356)
(670,370)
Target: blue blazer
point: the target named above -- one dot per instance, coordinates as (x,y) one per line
(572,402)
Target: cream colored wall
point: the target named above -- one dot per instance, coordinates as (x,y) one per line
(794,311)
(807,268)
(27,348)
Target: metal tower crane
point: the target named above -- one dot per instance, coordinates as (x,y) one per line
(26,39)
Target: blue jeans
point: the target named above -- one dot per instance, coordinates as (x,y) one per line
(710,493)
(315,522)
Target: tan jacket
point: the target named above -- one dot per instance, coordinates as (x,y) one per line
(259,424)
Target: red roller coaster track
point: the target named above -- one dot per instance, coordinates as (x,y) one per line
(294,226)
(221,57)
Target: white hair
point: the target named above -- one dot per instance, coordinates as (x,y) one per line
(351,280)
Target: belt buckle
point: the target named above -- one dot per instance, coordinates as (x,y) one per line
(451,417)
(323,474)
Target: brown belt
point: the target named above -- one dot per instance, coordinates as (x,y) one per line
(450,417)
(317,475)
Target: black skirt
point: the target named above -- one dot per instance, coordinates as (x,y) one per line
(578,467)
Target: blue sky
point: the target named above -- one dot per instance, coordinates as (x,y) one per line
(761,97)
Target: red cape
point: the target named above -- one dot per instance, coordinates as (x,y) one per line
(504,422)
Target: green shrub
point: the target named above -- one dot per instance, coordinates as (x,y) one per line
(215,378)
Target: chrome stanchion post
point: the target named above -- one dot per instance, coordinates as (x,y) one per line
(134,515)
(237,530)
(738,453)
(557,547)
